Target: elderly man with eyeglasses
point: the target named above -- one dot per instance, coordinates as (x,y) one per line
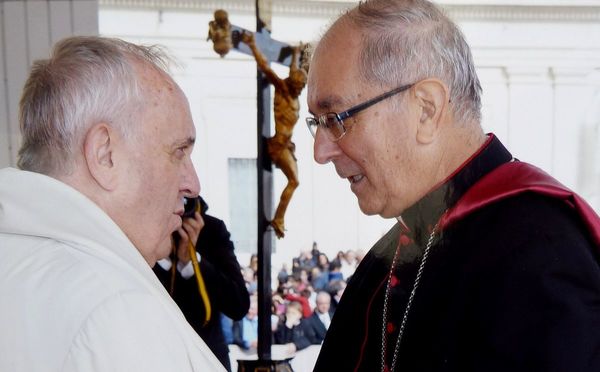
(493,265)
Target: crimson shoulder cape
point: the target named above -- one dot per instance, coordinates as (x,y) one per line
(514,178)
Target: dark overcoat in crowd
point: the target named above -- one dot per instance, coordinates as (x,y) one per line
(224,283)
(316,330)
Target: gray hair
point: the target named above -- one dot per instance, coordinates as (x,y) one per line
(409,40)
(85,81)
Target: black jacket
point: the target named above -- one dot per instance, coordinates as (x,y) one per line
(315,329)
(224,283)
(296,335)
(515,286)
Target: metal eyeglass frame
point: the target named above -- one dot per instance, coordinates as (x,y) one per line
(328,119)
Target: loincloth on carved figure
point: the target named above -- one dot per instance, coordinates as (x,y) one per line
(276,147)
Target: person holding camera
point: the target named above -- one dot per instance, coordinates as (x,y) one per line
(222,291)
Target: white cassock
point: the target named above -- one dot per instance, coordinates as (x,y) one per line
(76,295)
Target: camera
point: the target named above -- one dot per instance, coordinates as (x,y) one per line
(190,205)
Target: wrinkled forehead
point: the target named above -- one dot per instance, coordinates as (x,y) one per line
(334,77)
(323,299)
(164,105)
(154,83)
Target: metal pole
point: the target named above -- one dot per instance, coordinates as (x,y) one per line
(265,196)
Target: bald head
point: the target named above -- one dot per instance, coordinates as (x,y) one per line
(400,111)
(103,116)
(86,80)
(406,40)
(323,302)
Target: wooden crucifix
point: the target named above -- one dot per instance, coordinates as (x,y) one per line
(265,50)
(277,149)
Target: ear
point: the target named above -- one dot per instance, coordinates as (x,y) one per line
(98,148)
(432,99)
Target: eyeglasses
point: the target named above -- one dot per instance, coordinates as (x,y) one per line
(333,123)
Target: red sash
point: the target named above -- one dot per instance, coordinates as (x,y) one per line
(514,178)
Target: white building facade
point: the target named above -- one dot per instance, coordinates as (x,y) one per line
(538,61)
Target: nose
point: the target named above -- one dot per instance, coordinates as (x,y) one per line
(190,184)
(325,150)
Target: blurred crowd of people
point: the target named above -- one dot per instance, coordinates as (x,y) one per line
(303,303)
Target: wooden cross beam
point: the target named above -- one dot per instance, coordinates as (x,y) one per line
(225,37)
(275,51)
